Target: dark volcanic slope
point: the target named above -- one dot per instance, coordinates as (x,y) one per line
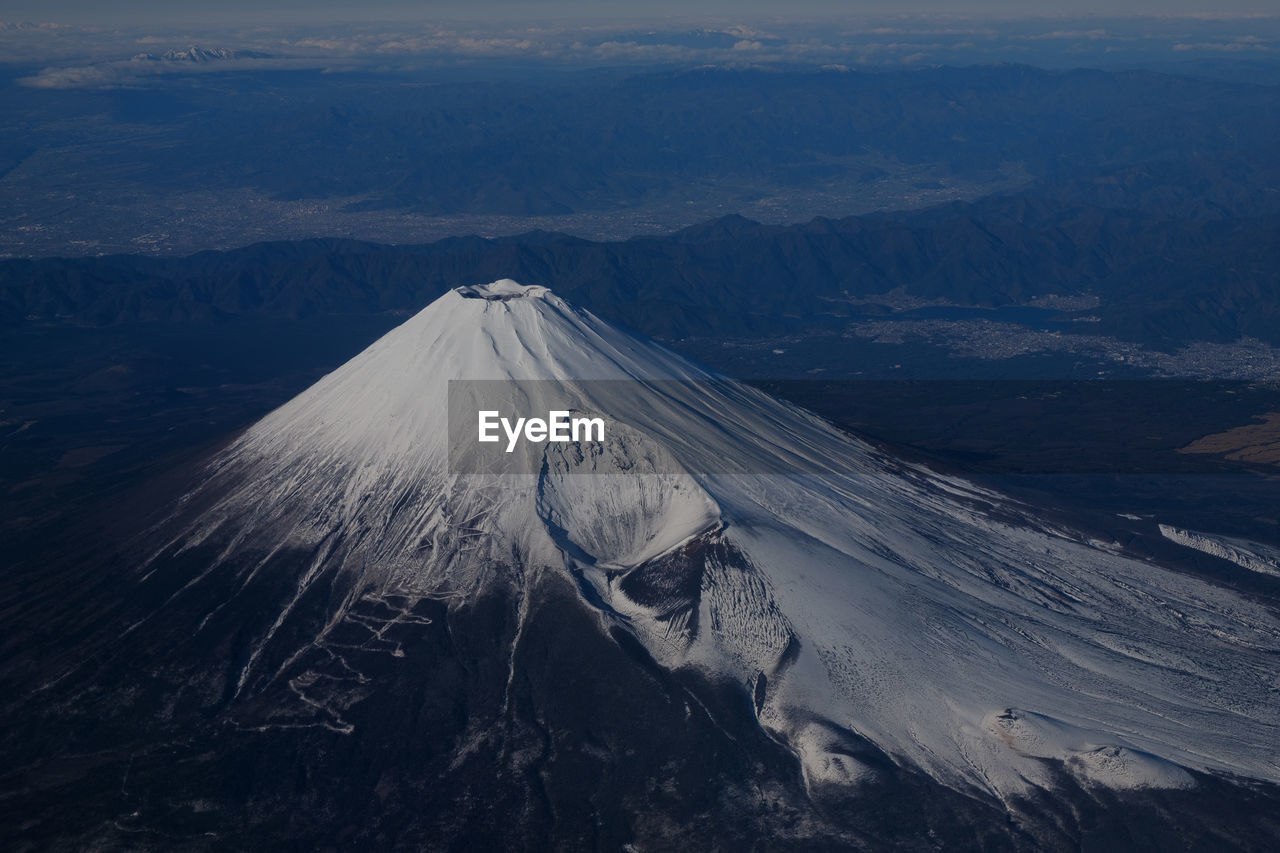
(446,755)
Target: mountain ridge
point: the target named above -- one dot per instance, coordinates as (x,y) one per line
(1142,269)
(352,471)
(875,641)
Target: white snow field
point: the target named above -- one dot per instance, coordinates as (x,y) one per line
(872,601)
(1246,554)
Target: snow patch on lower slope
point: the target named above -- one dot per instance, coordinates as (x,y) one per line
(1253,556)
(915,633)
(1041,736)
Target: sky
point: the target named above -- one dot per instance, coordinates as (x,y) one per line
(135,12)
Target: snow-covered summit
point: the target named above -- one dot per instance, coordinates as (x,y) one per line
(875,611)
(501,291)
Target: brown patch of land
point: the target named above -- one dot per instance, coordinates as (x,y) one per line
(1256,443)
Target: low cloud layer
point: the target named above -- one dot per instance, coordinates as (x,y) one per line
(70,57)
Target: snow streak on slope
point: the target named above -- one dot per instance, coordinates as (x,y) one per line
(1253,556)
(873,609)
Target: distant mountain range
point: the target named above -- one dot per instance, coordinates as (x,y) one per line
(610,143)
(200,55)
(1158,254)
(193,161)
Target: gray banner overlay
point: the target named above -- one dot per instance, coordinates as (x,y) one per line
(991,427)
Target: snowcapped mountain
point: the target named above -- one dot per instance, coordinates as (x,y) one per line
(877,617)
(195,55)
